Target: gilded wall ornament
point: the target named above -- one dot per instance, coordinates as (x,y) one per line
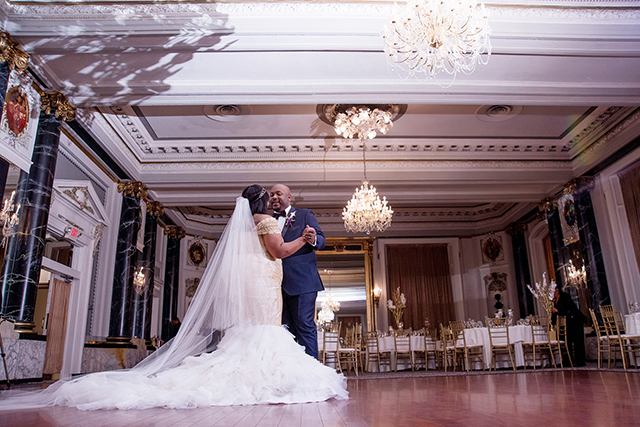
(496,282)
(10,52)
(81,197)
(57,101)
(132,188)
(548,204)
(578,185)
(174,232)
(568,219)
(492,250)
(155,208)
(197,253)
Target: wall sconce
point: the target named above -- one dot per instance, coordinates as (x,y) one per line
(139,281)
(377,293)
(9,218)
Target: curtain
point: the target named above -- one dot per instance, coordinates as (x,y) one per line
(630,185)
(422,273)
(548,257)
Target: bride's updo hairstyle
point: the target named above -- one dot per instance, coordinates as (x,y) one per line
(258,198)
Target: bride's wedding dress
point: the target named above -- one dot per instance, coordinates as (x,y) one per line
(257,360)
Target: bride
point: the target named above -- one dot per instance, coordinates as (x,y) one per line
(257,360)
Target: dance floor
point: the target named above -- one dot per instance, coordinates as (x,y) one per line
(580,397)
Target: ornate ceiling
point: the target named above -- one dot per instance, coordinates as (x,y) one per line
(198,100)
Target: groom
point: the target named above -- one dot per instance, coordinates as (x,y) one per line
(301,281)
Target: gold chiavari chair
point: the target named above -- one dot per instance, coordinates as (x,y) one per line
(472,351)
(348,352)
(402,347)
(457,338)
(560,340)
(499,340)
(372,345)
(603,339)
(540,343)
(631,341)
(613,336)
(615,330)
(447,350)
(430,342)
(330,348)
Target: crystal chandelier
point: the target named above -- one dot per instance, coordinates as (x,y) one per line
(576,278)
(365,212)
(328,309)
(362,123)
(429,36)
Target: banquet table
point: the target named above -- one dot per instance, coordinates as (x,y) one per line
(518,334)
(386,344)
(632,323)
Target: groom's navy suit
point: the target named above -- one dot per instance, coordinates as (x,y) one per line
(301,281)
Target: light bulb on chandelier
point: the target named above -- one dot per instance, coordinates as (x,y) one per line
(434,36)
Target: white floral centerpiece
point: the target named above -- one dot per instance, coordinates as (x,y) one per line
(544,293)
(397,305)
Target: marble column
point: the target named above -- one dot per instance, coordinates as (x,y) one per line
(143,297)
(521,262)
(120,321)
(580,189)
(11,58)
(171,279)
(23,259)
(549,207)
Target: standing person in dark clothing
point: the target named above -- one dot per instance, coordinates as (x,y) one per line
(564,306)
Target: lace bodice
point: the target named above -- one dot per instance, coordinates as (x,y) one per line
(264,299)
(267,226)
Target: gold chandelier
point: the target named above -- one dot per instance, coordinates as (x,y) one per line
(432,36)
(365,212)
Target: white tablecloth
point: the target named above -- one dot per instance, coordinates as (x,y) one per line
(518,334)
(386,344)
(632,323)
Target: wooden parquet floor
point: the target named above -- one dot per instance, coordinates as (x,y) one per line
(550,398)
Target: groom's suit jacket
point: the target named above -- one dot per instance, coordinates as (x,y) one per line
(300,270)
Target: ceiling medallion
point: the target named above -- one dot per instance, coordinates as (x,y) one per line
(497,113)
(226,113)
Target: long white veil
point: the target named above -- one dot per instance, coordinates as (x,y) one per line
(219,301)
(218,304)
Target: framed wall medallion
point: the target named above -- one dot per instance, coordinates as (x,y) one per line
(568,219)
(492,249)
(19,121)
(197,253)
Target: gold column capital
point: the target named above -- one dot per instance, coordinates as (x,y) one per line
(155,208)
(132,188)
(516,228)
(10,52)
(578,185)
(548,204)
(174,232)
(57,101)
